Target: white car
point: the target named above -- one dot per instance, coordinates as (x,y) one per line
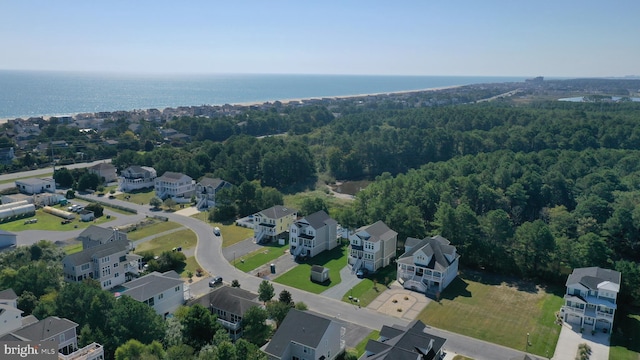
(216,231)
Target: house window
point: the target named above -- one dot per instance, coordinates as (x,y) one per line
(105,259)
(85,266)
(115,265)
(160,296)
(61,339)
(150,301)
(177,288)
(116,275)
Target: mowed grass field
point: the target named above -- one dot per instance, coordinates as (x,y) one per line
(260,257)
(185,238)
(488,308)
(150,230)
(625,340)
(50,222)
(298,277)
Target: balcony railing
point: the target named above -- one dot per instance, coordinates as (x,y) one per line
(572,310)
(229,325)
(87,352)
(605,315)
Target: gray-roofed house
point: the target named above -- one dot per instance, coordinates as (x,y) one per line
(206,190)
(51,328)
(427,265)
(137,177)
(164,292)
(591,297)
(32,186)
(174,185)
(7,239)
(104,170)
(109,264)
(304,335)
(10,315)
(273,223)
(95,235)
(229,304)
(405,343)
(313,234)
(372,247)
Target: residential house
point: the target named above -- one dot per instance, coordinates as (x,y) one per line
(206,190)
(313,234)
(137,177)
(32,186)
(96,235)
(229,304)
(305,335)
(93,351)
(10,315)
(105,171)
(86,215)
(110,264)
(52,328)
(591,298)
(405,343)
(164,292)
(7,239)
(273,223)
(177,186)
(372,247)
(429,264)
(7,155)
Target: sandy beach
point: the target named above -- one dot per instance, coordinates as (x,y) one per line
(284,101)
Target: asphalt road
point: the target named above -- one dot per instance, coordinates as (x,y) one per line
(209,255)
(43,172)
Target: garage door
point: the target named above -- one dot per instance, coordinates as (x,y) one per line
(573,319)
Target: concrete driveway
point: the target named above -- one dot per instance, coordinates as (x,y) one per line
(570,338)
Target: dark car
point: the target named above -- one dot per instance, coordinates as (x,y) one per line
(215,281)
(362,273)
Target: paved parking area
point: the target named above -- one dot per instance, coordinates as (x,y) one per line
(570,338)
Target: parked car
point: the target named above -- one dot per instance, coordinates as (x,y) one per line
(362,273)
(216,231)
(217,280)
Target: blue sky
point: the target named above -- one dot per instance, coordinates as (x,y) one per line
(421,37)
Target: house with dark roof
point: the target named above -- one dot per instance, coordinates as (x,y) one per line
(405,343)
(429,264)
(273,223)
(52,328)
(164,292)
(206,190)
(591,298)
(110,264)
(10,315)
(95,235)
(137,177)
(372,247)
(7,239)
(305,335)
(229,304)
(104,171)
(313,234)
(174,185)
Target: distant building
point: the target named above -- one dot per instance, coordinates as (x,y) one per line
(105,171)
(177,186)
(272,223)
(137,177)
(206,190)
(96,235)
(32,186)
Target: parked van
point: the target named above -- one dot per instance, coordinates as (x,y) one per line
(216,231)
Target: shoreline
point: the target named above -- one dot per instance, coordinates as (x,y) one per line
(255,103)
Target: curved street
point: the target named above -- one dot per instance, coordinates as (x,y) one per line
(208,253)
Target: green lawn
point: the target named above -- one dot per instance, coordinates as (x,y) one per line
(185,238)
(260,257)
(50,222)
(73,248)
(232,234)
(191,265)
(365,292)
(298,277)
(156,228)
(137,197)
(294,201)
(625,341)
(374,335)
(487,308)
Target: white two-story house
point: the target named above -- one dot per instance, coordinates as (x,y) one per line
(137,177)
(313,234)
(273,223)
(372,247)
(110,264)
(164,292)
(429,264)
(206,190)
(591,298)
(177,186)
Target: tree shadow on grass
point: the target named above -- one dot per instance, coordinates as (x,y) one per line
(627,329)
(458,287)
(488,278)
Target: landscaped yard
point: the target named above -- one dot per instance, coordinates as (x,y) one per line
(137,197)
(191,265)
(184,238)
(298,277)
(50,222)
(365,292)
(156,228)
(486,308)
(625,340)
(260,257)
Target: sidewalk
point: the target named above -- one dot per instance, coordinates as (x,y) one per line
(347,282)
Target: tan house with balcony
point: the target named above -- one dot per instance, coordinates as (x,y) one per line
(372,247)
(273,223)
(429,264)
(313,234)
(591,298)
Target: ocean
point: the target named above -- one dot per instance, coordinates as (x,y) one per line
(37,93)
